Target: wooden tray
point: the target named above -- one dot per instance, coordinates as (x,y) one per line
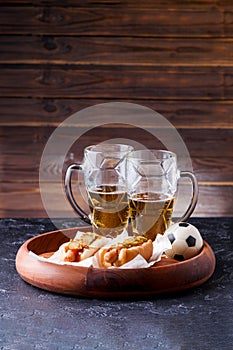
(166,276)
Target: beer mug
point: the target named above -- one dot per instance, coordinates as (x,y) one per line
(152,178)
(104,169)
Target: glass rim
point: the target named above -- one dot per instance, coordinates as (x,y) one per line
(115,148)
(154,154)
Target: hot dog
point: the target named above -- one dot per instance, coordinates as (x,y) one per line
(83,246)
(121,253)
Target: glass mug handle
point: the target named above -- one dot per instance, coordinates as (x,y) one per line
(69,192)
(194,198)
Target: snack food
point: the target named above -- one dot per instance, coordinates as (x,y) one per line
(118,254)
(83,246)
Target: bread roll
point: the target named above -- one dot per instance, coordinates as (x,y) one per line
(83,246)
(120,254)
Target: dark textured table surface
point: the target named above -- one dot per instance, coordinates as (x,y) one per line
(31,318)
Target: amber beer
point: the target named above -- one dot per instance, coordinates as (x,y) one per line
(150,213)
(152,182)
(109,208)
(104,170)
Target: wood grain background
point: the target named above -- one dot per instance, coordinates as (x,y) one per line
(57,57)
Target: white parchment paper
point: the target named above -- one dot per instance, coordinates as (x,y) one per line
(160,244)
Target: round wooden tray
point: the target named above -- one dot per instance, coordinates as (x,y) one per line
(165,276)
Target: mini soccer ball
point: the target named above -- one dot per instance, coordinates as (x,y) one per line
(185,239)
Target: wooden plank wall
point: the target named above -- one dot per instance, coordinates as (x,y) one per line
(57,57)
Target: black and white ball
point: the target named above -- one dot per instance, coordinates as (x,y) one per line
(185,239)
